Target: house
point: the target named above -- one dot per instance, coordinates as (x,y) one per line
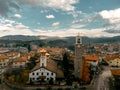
(115,71)
(21,61)
(109,57)
(115,62)
(93,59)
(4,50)
(115,77)
(4,61)
(45,70)
(13,55)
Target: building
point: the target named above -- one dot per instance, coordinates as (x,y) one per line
(13,55)
(78,56)
(85,71)
(115,62)
(45,70)
(115,72)
(55,52)
(4,50)
(92,59)
(21,61)
(4,61)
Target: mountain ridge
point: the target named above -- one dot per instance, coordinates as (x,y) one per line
(69,40)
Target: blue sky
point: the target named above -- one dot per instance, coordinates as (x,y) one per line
(93,18)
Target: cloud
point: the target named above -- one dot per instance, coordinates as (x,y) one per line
(50,16)
(17,16)
(112,15)
(10,27)
(7,6)
(20,29)
(55,24)
(73,32)
(44,11)
(65,5)
(21,26)
(75,14)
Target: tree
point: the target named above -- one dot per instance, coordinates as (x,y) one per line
(67,67)
(32,62)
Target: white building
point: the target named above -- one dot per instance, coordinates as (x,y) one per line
(45,70)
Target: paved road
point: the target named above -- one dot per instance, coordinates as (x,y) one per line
(101,81)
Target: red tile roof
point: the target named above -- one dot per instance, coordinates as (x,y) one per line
(92,57)
(4,57)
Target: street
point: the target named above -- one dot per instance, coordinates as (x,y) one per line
(101,81)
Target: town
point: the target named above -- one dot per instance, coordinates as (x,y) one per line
(87,67)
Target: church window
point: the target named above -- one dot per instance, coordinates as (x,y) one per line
(42,64)
(33,73)
(47,78)
(51,73)
(37,73)
(47,73)
(42,73)
(37,78)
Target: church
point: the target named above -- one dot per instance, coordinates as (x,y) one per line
(46,70)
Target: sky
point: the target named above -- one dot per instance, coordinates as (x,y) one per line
(92,18)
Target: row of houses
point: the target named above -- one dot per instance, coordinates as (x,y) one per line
(46,68)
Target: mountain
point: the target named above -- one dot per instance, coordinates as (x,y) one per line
(28,38)
(20,37)
(52,41)
(115,39)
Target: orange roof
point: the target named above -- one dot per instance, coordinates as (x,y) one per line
(47,54)
(43,51)
(25,55)
(4,57)
(108,56)
(92,57)
(21,59)
(115,72)
(13,53)
(49,48)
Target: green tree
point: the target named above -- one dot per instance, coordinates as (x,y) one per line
(67,67)
(32,62)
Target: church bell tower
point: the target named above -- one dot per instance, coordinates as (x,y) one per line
(78,56)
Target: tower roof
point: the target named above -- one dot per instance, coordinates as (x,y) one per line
(47,54)
(43,51)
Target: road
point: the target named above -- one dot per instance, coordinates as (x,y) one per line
(101,81)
